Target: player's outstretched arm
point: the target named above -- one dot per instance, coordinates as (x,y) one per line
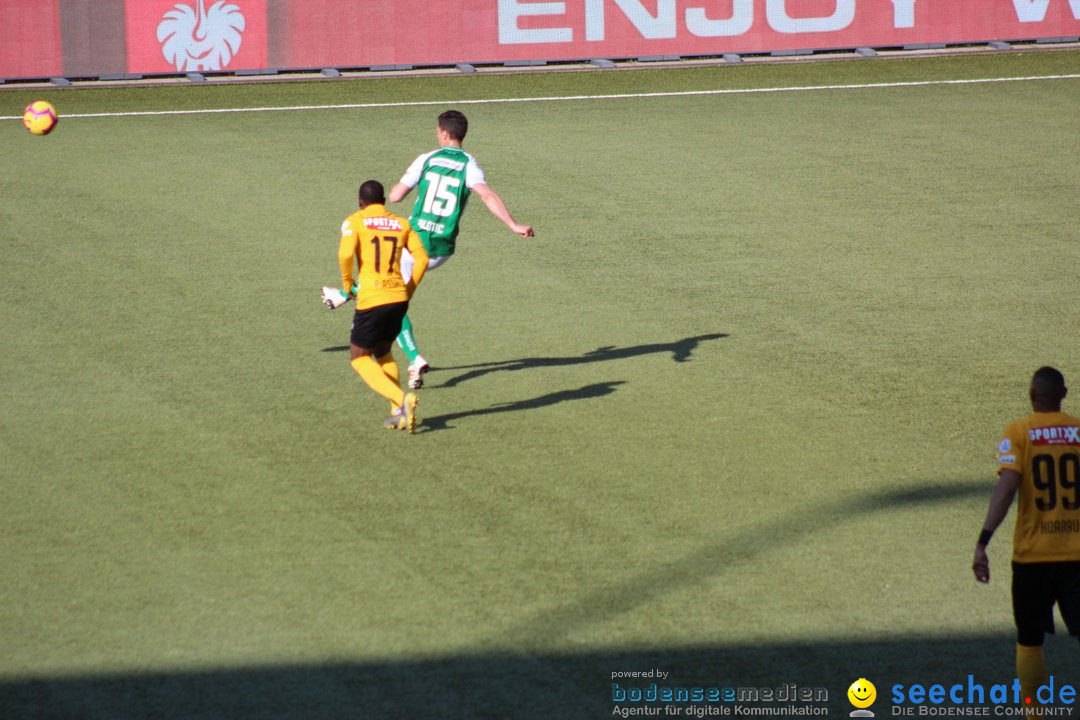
(332,297)
(1000,501)
(498,208)
(398,193)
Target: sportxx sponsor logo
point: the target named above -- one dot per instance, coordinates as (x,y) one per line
(1055,435)
(382,223)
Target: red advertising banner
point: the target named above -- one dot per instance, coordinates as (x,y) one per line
(30,38)
(170,36)
(418,32)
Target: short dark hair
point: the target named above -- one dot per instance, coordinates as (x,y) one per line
(372,192)
(1048,384)
(454,123)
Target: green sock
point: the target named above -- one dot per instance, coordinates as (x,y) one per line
(407,342)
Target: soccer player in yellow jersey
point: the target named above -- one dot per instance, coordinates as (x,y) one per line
(372,241)
(1039,456)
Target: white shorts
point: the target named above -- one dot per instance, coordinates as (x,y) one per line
(407,263)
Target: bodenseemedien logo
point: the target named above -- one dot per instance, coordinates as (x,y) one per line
(862,694)
(664,696)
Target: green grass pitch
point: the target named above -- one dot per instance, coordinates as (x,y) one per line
(731,414)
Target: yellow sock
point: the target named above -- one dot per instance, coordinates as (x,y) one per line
(390,369)
(1031,671)
(372,373)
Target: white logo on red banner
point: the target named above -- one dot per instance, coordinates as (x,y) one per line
(197,38)
(1031,11)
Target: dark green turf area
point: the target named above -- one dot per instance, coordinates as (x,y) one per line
(732,413)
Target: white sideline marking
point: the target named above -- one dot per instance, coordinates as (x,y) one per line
(564,98)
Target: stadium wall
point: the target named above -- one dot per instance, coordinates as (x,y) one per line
(88,38)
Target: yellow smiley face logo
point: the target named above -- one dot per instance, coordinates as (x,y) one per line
(862,693)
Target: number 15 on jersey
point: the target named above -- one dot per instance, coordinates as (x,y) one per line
(441,198)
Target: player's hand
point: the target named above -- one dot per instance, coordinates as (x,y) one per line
(981,564)
(524,230)
(334,298)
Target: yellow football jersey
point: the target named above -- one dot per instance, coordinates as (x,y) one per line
(1045,449)
(371,241)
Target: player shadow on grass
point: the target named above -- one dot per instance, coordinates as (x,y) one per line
(508,684)
(504,684)
(442,422)
(515,681)
(680,350)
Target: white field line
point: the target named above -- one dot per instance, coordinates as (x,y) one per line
(564,98)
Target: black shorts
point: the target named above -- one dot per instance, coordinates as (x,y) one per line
(379,324)
(1036,588)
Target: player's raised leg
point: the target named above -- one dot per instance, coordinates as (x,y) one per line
(406,339)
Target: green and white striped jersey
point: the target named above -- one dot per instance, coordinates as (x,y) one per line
(443,179)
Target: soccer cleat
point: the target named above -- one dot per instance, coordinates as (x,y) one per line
(334,298)
(409,410)
(396,421)
(416,373)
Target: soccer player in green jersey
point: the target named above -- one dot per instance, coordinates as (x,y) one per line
(444,180)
